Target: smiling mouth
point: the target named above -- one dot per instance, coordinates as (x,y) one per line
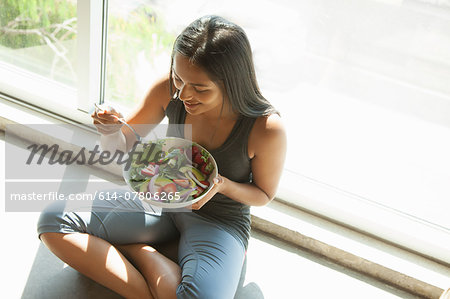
(191,104)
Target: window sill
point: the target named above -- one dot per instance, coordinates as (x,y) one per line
(371,257)
(351,249)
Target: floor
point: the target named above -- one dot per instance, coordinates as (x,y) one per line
(274,270)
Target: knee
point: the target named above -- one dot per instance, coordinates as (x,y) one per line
(197,290)
(50,218)
(50,238)
(188,290)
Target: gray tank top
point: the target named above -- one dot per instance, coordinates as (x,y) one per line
(233,162)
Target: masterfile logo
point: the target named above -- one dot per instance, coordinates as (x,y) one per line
(87,157)
(48,163)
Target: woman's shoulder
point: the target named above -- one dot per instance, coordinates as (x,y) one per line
(152,109)
(268,125)
(267,130)
(159,93)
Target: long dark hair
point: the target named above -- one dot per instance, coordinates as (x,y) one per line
(221,48)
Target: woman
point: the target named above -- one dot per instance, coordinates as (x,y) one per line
(213,79)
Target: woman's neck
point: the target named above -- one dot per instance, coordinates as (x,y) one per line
(222,111)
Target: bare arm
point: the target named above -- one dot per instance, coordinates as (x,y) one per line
(151,111)
(268,141)
(267,144)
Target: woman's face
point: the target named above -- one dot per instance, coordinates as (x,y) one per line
(198,93)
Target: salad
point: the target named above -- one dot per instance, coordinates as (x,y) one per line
(178,174)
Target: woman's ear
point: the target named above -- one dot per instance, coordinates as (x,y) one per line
(222,88)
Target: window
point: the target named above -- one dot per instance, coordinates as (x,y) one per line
(50,54)
(362,87)
(371,119)
(138,51)
(41,40)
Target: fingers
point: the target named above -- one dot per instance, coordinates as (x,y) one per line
(106,114)
(217,181)
(198,205)
(107,129)
(106,126)
(201,202)
(105,119)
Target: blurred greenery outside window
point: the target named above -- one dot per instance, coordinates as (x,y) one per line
(40,36)
(138,52)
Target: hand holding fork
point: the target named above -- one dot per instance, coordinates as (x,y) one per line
(109,121)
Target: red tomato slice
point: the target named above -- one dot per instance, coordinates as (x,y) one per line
(199,191)
(205,169)
(182,183)
(147,172)
(170,188)
(195,150)
(198,159)
(206,183)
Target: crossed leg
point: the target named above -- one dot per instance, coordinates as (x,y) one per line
(100,261)
(161,274)
(84,240)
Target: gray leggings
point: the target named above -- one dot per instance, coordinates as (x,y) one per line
(211,258)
